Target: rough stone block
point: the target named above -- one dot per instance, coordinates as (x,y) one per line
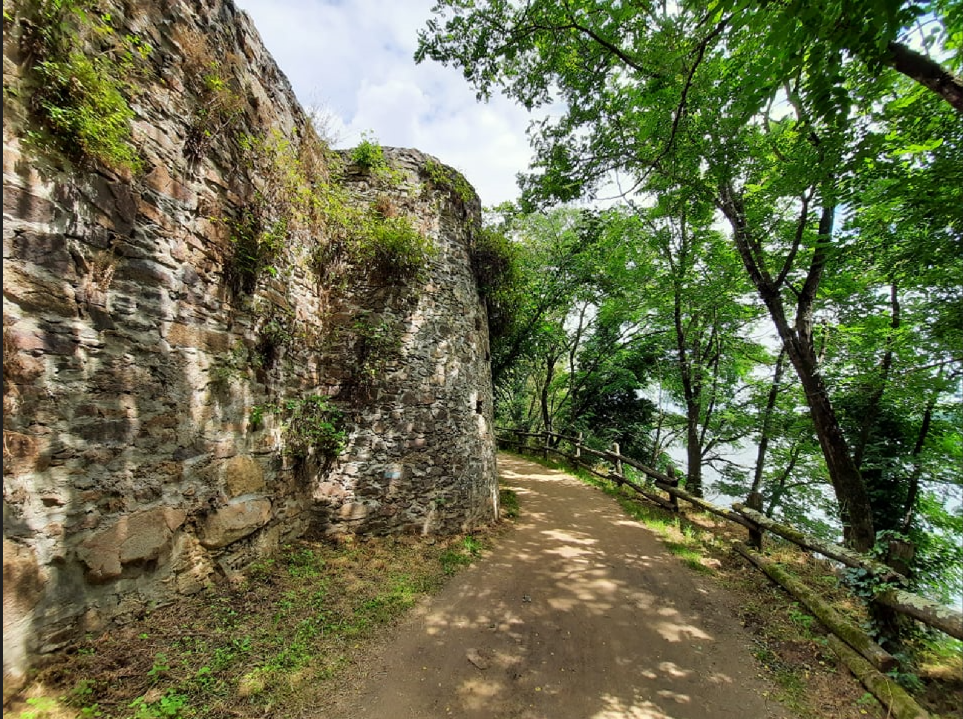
(233,522)
(242,475)
(138,537)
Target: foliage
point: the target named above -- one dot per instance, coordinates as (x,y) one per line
(369,155)
(493,261)
(377,343)
(310,426)
(457,557)
(393,245)
(255,248)
(832,166)
(170,705)
(376,238)
(508,502)
(454,183)
(219,101)
(79,79)
(296,197)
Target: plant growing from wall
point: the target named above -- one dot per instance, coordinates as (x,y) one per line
(297,196)
(232,365)
(369,155)
(311,426)
(377,237)
(255,247)
(450,181)
(377,343)
(78,80)
(220,102)
(394,246)
(494,265)
(285,203)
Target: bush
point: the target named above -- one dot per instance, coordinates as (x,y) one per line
(79,96)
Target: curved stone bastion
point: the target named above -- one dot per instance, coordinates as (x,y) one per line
(223,339)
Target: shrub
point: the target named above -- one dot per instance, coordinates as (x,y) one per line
(369,155)
(78,95)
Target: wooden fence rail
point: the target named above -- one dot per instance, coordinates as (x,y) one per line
(945,619)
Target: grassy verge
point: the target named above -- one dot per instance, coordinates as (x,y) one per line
(273,639)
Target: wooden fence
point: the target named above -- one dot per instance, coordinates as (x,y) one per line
(663,489)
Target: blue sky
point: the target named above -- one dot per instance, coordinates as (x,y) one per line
(352,61)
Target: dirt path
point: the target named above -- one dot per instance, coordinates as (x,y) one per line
(579,613)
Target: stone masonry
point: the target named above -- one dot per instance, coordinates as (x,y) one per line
(144,447)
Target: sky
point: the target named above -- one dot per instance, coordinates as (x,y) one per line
(352,60)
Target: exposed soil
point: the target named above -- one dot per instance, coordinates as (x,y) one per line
(581,613)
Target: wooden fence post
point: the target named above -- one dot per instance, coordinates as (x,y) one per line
(754,501)
(545,444)
(673,482)
(576,459)
(617,463)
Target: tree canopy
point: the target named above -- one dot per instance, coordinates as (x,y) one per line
(819,151)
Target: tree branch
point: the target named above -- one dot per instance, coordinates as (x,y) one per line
(927,72)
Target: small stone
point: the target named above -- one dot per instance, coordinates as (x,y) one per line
(477,659)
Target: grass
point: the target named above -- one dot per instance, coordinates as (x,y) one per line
(276,638)
(508,501)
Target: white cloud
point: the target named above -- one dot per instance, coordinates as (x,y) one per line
(354,61)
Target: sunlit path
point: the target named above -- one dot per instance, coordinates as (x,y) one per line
(579,612)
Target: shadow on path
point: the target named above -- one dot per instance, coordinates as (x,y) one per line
(579,612)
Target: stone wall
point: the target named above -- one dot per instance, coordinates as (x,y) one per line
(148,392)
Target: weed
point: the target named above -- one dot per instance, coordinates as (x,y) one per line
(40,707)
(377,343)
(160,667)
(909,680)
(252,646)
(689,556)
(312,426)
(508,501)
(801,618)
(453,558)
(256,246)
(219,102)
(231,366)
(472,546)
(257,415)
(394,245)
(369,155)
(170,705)
(78,75)
(452,182)
(304,563)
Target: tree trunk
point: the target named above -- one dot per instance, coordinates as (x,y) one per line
(693,451)
(767,422)
(855,511)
